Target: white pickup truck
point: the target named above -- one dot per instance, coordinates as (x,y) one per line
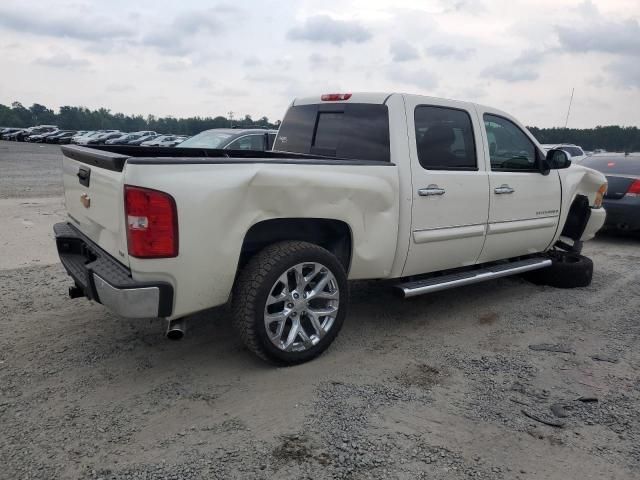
(425,192)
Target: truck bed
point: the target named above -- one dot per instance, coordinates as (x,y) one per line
(114,157)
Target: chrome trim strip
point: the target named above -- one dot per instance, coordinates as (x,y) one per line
(480,276)
(521,225)
(448,233)
(128,302)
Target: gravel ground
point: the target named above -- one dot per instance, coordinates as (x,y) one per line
(442,386)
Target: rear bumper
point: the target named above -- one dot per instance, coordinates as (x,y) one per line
(103,279)
(623,213)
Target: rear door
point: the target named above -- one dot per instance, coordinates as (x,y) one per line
(524,204)
(94,197)
(450,185)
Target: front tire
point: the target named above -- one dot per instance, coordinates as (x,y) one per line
(567,270)
(290,301)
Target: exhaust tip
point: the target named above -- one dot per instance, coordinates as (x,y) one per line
(176,330)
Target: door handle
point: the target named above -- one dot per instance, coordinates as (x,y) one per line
(430,191)
(502,189)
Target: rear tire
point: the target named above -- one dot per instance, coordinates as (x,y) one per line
(290,301)
(568,270)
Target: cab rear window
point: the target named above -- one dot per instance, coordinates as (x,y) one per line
(354,131)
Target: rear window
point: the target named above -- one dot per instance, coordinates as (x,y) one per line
(619,165)
(354,131)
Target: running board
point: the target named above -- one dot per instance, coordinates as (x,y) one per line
(434,284)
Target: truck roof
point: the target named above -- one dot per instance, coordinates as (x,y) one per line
(382,97)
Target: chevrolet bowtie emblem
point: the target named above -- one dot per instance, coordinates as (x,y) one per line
(85,199)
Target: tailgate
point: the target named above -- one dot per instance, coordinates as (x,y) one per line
(93,192)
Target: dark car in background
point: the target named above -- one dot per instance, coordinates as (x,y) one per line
(62,137)
(233,139)
(21,136)
(622,200)
(5,132)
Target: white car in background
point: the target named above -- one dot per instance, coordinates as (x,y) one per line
(576,153)
(164,141)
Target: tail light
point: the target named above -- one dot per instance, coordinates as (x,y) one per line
(634,189)
(334,97)
(152,223)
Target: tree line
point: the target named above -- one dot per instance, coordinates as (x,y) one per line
(81,118)
(612,138)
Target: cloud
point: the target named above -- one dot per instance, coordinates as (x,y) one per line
(625,73)
(90,28)
(120,87)
(62,60)
(175,65)
(449,52)
(204,83)
(602,36)
(473,7)
(421,78)
(252,61)
(323,28)
(521,69)
(317,60)
(403,51)
(177,37)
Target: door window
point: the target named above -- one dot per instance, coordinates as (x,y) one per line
(249,142)
(510,149)
(444,139)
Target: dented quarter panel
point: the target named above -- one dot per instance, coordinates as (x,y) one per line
(217,204)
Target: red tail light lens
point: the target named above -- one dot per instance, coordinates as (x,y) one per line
(334,97)
(634,189)
(152,223)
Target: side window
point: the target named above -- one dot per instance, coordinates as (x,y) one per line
(444,139)
(248,142)
(509,147)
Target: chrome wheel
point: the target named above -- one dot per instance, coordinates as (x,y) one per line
(301,307)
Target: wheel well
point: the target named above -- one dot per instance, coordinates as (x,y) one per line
(577,219)
(333,235)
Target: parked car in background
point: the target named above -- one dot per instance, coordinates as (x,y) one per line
(40,137)
(163,141)
(95,138)
(576,152)
(622,200)
(124,139)
(144,138)
(8,131)
(81,135)
(103,137)
(22,135)
(60,136)
(233,139)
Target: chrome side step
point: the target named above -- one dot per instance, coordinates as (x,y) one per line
(443,282)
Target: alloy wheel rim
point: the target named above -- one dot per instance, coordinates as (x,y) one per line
(301,307)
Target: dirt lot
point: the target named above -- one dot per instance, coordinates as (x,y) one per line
(438,387)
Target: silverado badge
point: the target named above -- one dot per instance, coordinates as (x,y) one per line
(85,199)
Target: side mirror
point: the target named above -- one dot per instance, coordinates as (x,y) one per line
(557,159)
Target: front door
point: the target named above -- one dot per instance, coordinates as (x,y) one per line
(450,186)
(524,204)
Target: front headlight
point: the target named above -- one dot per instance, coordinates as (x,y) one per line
(600,195)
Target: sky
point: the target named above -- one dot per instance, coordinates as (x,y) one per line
(208,58)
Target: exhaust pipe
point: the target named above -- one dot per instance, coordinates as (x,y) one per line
(176,329)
